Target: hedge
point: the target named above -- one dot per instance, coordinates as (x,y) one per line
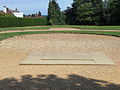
(21,22)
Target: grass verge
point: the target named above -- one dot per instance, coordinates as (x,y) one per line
(63,26)
(23,28)
(9,35)
(90,27)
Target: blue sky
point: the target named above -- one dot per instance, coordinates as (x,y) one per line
(32,6)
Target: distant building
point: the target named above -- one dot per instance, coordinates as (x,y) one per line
(15,12)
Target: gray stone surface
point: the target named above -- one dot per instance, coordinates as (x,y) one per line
(38,57)
(66,56)
(101,58)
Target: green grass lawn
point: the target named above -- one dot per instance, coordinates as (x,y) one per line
(23,28)
(90,27)
(9,35)
(65,26)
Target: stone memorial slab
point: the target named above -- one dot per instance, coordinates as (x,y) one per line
(101,58)
(66,56)
(44,58)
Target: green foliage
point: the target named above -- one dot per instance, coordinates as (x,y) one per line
(55,16)
(70,17)
(85,13)
(114,11)
(62,19)
(20,22)
(92,27)
(33,15)
(2,14)
(39,13)
(99,12)
(51,22)
(88,12)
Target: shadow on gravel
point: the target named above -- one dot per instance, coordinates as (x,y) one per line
(52,82)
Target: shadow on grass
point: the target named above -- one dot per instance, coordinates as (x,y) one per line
(52,82)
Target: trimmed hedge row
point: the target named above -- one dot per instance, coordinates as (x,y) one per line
(21,22)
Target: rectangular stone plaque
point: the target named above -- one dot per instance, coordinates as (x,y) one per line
(66,56)
(42,58)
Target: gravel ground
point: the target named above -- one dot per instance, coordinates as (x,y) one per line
(14,50)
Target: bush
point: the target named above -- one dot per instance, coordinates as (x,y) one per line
(21,22)
(2,14)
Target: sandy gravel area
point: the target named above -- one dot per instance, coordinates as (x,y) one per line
(14,50)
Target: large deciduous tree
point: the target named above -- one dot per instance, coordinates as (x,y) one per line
(99,18)
(55,16)
(83,10)
(86,12)
(70,16)
(114,11)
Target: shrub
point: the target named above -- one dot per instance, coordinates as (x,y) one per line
(2,14)
(21,22)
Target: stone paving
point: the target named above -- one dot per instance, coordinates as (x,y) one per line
(38,57)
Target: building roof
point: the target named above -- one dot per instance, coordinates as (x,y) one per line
(12,11)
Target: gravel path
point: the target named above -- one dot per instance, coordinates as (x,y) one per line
(14,50)
(56,29)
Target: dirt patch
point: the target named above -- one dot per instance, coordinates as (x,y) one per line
(58,29)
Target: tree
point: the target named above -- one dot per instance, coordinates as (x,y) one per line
(83,11)
(99,18)
(39,13)
(114,11)
(106,12)
(33,15)
(86,12)
(70,17)
(55,16)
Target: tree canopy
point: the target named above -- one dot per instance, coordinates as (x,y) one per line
(97,12)
(114,11)
(55,16)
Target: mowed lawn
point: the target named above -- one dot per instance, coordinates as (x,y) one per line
(110,33)
(63,26)
(24,28)
(90,27)
(9,35)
